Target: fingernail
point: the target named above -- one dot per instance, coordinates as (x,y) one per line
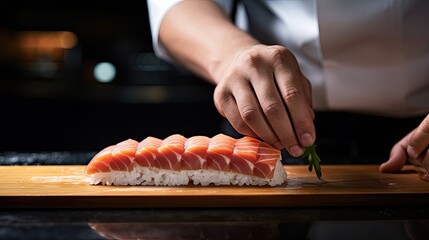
(307,139)
(296,151)
(278,145)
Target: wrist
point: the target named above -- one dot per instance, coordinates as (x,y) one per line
(225,54)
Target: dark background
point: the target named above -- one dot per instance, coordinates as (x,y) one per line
(66,116)
(66,109)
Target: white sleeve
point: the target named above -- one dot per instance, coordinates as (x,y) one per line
(157,10)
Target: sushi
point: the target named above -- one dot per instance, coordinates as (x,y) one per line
(177,160)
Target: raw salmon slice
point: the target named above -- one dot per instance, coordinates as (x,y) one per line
(123,155)
(219,152)
(268,157)
(245,155)
(147,151)
(194,156)
(170,152)
(100,162)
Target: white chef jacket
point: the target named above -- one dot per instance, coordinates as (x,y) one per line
(368,56)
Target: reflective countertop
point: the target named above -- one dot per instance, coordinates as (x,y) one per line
(238,223)
(401,221)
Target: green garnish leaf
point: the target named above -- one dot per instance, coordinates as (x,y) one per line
(313,159)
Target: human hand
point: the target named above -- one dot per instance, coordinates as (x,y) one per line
(263,94)
(414,148)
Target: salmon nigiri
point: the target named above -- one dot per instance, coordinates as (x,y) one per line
(177,160)
(147,151)
(194,156)
(245,155)
(266,162)
(170,152)
(118,157)
(219,152)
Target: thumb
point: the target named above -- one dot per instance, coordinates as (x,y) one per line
(398,158)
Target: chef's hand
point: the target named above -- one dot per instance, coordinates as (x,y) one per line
(263,93)
(415,148)
(259,89)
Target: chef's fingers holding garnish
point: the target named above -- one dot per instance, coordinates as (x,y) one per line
(264,93)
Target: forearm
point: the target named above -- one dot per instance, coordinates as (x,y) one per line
(200,36)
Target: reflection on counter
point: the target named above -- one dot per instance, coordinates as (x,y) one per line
(398,223)
(188,230)
(318,230)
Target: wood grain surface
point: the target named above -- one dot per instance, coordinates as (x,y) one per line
(65,186)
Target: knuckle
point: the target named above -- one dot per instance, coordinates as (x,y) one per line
(252,59)
(222,99)
(292,94)
(302,126)
(249,114)
(222,92)
(279,54)
(272,108)
(282,56)
(222,95)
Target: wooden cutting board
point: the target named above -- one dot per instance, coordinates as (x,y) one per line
(342,185)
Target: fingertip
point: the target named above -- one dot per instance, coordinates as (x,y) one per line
(389,166)
(278,145)
(383,168)
(306,139)
(396,161)
(296,151)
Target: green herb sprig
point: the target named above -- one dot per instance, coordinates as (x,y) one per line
(314,160)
